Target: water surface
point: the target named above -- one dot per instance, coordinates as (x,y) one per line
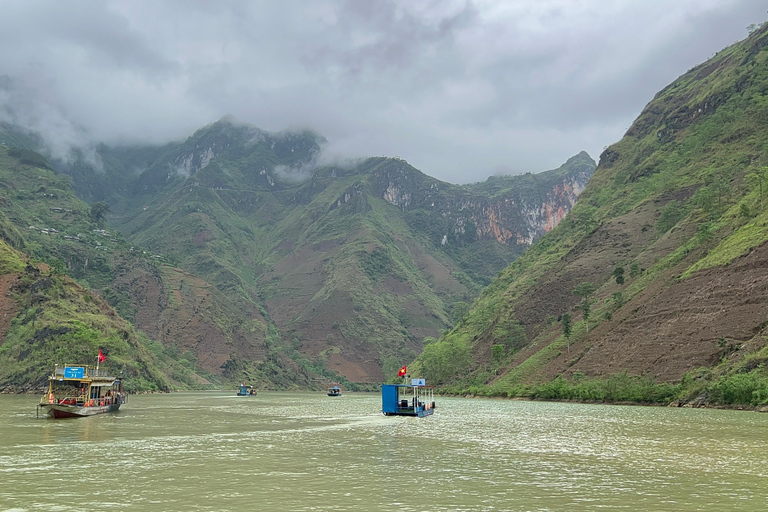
(213,451)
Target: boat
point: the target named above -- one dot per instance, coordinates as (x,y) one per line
(414,399)
(77,391)
(246,390)
(334,391)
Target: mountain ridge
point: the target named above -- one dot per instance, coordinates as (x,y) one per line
(258,263)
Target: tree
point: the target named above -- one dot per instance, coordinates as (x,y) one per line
(99,212)
(585,290)
(586,309)
(566,322)
(758,179)
(669,216)
(460,310)
(445,359)
(498,355)
(618,274)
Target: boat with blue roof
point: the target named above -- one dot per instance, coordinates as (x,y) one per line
(246,390)
(414,399)
(77,391)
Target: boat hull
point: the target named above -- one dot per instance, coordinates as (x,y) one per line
(59,411)
(420,413)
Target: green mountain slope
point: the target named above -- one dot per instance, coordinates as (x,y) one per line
(348,268)
(50,319)
(669,236)
(245,260)
(42,217)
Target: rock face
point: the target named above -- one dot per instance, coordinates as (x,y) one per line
(508,210)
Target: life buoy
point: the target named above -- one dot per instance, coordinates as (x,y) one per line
(101,402)
(51,398)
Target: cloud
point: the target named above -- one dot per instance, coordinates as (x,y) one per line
(462,89)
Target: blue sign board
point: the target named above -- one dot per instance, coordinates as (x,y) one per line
(74,372)
(418,382)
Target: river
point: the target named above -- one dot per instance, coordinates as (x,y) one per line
(213,451)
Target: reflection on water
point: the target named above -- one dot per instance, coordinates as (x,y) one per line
(288,451)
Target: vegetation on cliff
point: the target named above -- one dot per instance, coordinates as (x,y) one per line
(59,321)
(51,318)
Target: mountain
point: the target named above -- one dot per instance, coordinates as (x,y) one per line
(653,288)
(42,216)
(47,318)
(349,268)
(246,258)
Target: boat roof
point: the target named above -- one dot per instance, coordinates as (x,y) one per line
(83,373)
(407,386)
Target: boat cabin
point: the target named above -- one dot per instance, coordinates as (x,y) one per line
(246,390)
(416,399)
(81,391)
(334,391)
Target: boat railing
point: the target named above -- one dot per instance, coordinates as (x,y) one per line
(419,398)
(64,400)
(84,401)
(88,371)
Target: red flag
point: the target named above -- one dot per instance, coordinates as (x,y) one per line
(101,357)
(402,371)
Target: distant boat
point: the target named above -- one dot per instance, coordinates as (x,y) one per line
(246,390)
(416,399)
(334,391)
(76,391)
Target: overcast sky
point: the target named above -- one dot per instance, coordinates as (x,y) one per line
(460,89)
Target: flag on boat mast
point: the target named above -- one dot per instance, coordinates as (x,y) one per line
(402,371)
(101,359)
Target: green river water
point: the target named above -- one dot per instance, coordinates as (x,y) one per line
(213,451)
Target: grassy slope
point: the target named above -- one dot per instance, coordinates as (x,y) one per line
(35,199)
(61,322)
(706,135)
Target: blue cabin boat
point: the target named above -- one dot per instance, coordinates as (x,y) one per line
(415,399)
(246,390)
(334,391)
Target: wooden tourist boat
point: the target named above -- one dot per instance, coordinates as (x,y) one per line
(75,391)
(414,399)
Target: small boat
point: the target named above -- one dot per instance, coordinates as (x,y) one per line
(415,399)
(334,391)
(76,391)
(246,390)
